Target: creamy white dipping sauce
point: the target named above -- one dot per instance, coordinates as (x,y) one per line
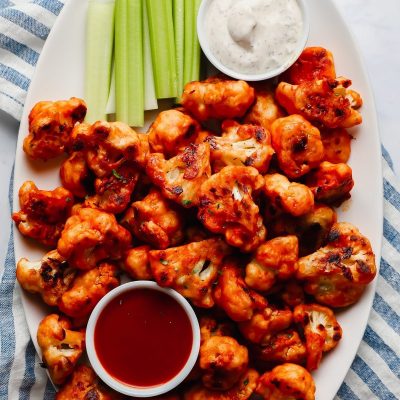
(253,36)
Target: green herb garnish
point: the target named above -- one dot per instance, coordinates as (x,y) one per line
(163,262)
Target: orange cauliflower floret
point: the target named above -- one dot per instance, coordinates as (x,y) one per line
(297,144)
(50,126)
(87,290)
(227,207)
(286,381)
(324,102)
(233,295)
(61,347)
(180,177)
(91,236)
(136,263)
(85,385)
(210,327)
(217,98)
(171,132)
(274,260)
(320,329)
(337,145)
(190,269)
(331,182)
(290,197)
(43,213)
(241,391)
(337,274)
(50,277)
(248,145)
(155,220)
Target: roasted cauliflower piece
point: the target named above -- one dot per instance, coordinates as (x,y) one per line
(50,277)
(286,381)
(171,132)
(298,145)
(210,327)
(320,329)
(91,236)
(290,197)
(84,384)
(180,177)
(322,102)
(88,289)
(331,182)
(292,293)
(227,207)
(264,111)
(265,323)
(337,145)
(76,176)
(155,220)
(136,263)
(273,261)
(241,391)
(248,145)
(61,347)
(233,295)
(217,98)
(190,269)
(337,274)
(50,126)
(223,362)
(43,213)
(314,63)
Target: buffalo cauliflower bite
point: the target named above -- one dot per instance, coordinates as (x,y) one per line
(290,197)
(320,329)
(87,290)
(180,178)
(292,293)
(223,362)
(337,145)
(217,98)
(313,64)
(210,327)
(190,269)
(241,391)
(337,274)
(50,126)
(61,347)
(298,145)
(50,277)
(43,213)
(331,182)
(75,175)
(286,381)
(227,207)
(273,261)
(155,220)
(90,236)
(324,102)
(136,263)
(264,111)
(248,145)
(233,295)
(84,384)
(171,132)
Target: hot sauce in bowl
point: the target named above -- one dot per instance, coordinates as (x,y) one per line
(143,340)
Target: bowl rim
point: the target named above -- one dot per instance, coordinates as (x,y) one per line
(133,390)
(204,44)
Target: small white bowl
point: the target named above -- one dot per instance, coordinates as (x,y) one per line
(133,390)
(204,43)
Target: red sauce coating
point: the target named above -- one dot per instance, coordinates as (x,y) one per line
(143,338)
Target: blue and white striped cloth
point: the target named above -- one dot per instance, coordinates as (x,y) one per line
(375,372)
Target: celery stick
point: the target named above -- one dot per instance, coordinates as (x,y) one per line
(179,28)
(150,99)
(162,47)
(110,107)
(189,33)
(195,71)
(99,45)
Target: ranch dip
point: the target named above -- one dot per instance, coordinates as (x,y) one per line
(253,36)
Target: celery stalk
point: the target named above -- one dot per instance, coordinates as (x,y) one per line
(179,28)
(189,33)
(110,107)
(195,71)
(99,45)
(162,47)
